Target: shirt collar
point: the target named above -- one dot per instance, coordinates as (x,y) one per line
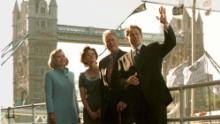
(138,48)
(65,70)
(115,53)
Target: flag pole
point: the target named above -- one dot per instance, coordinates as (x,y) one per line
(119,27)
(140,8)
(193,33)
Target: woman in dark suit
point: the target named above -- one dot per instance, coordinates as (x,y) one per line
(141,71)
(89,86)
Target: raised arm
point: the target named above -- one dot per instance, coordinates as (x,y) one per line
(169,36)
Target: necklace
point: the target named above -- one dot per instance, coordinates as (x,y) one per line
(92,72)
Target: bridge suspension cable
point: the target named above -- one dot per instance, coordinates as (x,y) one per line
(213,62)
(9,50)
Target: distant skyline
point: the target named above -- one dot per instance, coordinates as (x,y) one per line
(103,14)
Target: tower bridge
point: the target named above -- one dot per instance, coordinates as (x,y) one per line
(38,22)
(92,35)
(35,24)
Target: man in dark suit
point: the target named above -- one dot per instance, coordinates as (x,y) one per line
(112,98)
(141,73)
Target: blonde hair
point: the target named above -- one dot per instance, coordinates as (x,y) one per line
(51,61)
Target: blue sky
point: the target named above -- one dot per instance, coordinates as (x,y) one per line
(97,13)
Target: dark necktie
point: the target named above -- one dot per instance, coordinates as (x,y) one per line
(136,56)
(110,68)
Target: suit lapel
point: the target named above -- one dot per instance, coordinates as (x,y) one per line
(115,65)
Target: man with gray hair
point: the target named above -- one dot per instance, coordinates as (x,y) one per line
(114,107)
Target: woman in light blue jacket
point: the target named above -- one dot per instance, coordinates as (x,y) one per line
(61,101)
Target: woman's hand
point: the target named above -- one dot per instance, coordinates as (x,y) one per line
(52,118)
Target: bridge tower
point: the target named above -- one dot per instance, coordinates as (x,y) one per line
(34,37)
(182,52)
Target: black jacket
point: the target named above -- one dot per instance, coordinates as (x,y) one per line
(111,92)
(148,68)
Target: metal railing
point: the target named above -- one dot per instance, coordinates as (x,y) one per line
(26,114)
(36,113)
(202,116)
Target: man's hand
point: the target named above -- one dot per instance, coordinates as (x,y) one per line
(133,80)
(121,106)
(163,17)
(94,115)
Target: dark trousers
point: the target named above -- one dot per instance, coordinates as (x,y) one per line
(139,108)
(142,111)
(145,113)
(111,116)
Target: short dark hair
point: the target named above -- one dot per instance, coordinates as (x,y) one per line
(85,50)
(127,29)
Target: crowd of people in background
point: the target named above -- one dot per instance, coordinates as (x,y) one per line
(123,88)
